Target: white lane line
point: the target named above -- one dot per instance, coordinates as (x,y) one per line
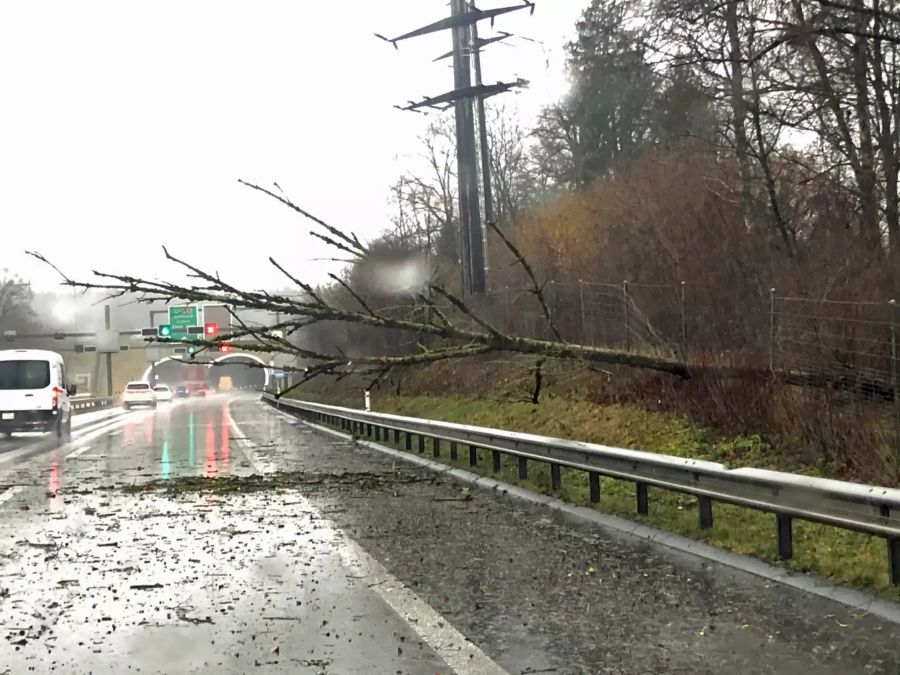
(246,445)
(80,451)
(78,436)
(10,493)
(463,656)
(458,652)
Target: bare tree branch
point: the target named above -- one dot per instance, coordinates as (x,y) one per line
(536,289)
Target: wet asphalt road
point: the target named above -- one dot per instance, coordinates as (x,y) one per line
(315,577)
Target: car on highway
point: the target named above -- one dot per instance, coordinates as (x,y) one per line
(182,391)
(138,393)
(34,392)
(198,388)
(163,393)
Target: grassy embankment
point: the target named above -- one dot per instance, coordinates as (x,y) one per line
(841,556)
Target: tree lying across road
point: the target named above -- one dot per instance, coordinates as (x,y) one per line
(441,324)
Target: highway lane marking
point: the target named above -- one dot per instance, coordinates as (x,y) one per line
(80,451)
(463,656)
(10,493)
(246,445)
(78,436)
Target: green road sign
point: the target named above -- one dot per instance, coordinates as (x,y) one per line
(182,318)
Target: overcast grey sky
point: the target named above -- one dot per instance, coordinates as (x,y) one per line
(125,125)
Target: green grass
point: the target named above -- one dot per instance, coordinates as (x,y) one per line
(841,556)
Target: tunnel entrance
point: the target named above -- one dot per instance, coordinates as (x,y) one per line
(173,372)
(243,371)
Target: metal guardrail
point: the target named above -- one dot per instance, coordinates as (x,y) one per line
(83,405)
(863,508)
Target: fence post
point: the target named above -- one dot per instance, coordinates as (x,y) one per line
(627,316)
(895,378)
(771,330)
(368,401)
(584,339)
(506,302)
(683,318)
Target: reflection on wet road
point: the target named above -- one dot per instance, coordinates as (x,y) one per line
(182,439)
(188,438)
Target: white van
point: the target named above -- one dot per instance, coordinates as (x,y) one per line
(34,392)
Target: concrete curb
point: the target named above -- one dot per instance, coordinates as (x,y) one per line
(856,599)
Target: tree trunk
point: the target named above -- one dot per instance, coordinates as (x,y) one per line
(738,106)
(870,223)
(887,141)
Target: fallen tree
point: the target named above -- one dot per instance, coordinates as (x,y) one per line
(446,326)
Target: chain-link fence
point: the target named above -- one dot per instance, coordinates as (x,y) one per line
(840,345)
(634,317)
(848,346)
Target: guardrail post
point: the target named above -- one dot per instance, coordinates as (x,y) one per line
(594,486)
(409,440)
(396,437)
(473,455)
(368,431)
(436,446)
(643,507)
(377,433)
(523,468)
(454,452)
(495,461)
(785,533)
(772,330)
(555,477)
(893,546)
(705,507)
(421,444)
